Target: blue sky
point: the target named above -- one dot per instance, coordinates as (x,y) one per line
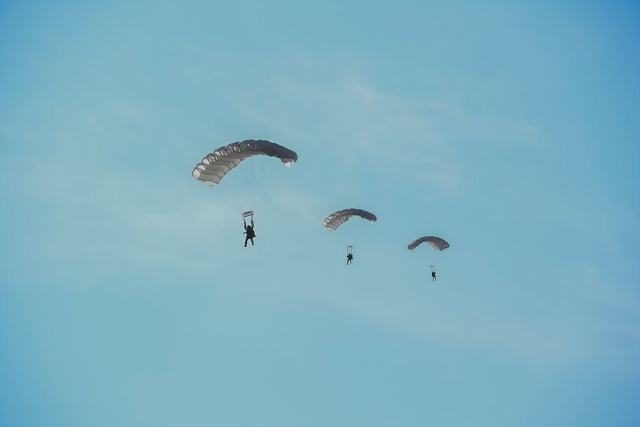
(509,129)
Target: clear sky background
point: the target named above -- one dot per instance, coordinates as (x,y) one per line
(511,129)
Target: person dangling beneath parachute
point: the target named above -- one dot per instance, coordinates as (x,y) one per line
(243,190)
(248,229)
(437,243)
(336,219)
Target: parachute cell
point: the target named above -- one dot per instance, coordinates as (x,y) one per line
(214,166)
(336,219)
(436,243)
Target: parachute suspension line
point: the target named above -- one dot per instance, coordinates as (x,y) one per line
(224,192)
(349,250)
(245,180)
(255,182)
(261,172)
(241,190)
(244,189)
(252,164)
(254,176)
(231,187)
(237,186)
(246,184)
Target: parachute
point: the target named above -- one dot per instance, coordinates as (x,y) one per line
(243,190)
(214,166)
(435,242)
(336,219)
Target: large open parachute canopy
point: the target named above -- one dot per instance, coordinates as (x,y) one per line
(436,243)
(214,166)
(336,219)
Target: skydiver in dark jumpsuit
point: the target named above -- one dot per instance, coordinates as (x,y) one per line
(349,258)
(250,234)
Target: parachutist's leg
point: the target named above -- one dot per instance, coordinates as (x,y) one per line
(245,241)
(251,241)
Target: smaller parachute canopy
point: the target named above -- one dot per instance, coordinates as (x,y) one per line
(336,219)
(435,242)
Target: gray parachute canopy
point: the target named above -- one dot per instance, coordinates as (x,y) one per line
(435,242)
(214,166)
(336,219)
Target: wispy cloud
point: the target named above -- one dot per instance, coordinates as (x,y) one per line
(563,339)
(339,108)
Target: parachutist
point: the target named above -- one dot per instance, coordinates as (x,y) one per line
(250,234)
(433,275)
(349,258)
